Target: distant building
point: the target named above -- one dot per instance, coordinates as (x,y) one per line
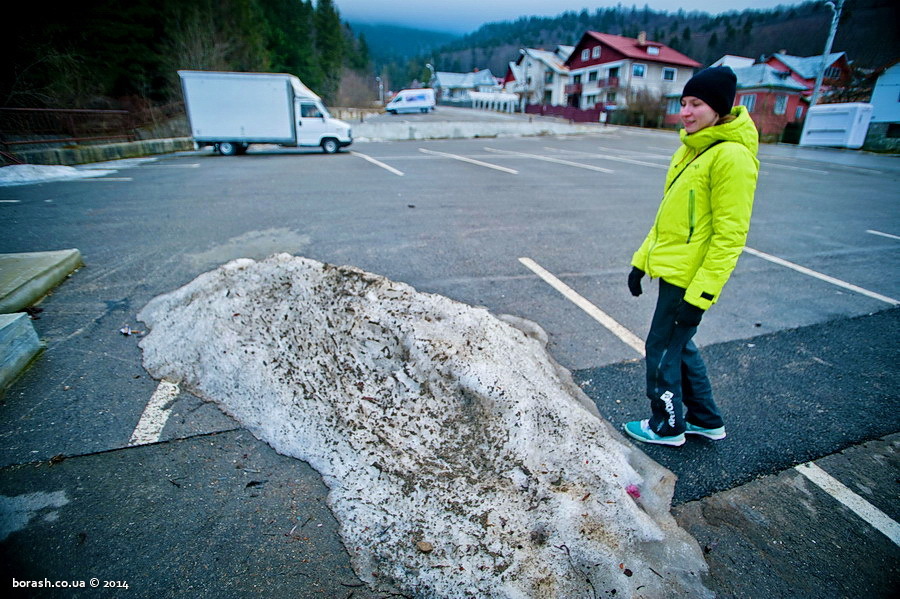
(884,128)
(539,76)
(804,69)
(455,87)
(735,62)
(607,69)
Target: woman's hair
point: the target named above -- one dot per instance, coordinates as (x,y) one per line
(726,119)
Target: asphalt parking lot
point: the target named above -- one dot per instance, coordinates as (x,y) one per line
(802,347)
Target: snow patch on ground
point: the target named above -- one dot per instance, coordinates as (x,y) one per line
(462,461)
(26,174)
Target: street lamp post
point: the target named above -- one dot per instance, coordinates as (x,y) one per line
(430,68)
(380,90)
(835,18)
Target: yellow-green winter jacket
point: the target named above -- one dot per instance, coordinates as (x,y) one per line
(704,217)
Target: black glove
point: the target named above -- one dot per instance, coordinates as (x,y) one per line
(634,281)
(688,315)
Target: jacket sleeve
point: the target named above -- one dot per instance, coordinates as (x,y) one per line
(732,186)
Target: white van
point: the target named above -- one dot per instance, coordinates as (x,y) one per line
(412,100)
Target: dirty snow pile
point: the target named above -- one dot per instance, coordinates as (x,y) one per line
(461,460)
(24,174)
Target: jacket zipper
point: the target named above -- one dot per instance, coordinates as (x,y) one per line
(691,215)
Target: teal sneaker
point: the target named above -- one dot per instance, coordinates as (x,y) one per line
(640,430)
(710,433)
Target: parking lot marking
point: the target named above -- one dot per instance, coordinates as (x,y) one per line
(862,508)
(795,168)
(193,165)
(820,276)
(589,167)
(605,157)
(629,338)
(470,161)
(91,179)
(153,420)
(10,201)
(888,235)
(378,163)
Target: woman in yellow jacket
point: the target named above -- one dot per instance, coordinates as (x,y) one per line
(699,233)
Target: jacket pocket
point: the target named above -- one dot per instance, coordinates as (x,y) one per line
(691,210)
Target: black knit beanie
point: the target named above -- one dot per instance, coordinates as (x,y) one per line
(716,86)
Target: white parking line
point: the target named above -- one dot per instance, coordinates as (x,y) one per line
(613,158)
(153,420)
(93,179)
(796,168)
(193,165)
(820,276)
(593,311)
(862,508)
(470,161)
(10,201)
(888,235)
(589,167)
(378,163)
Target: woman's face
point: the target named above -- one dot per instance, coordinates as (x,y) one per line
(696,114)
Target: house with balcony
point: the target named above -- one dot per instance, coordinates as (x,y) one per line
(539,76)
(606,70)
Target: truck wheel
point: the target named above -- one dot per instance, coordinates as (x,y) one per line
(330,145)
(242,149)
(226,148)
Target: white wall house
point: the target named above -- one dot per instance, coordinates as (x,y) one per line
(539,76)
(884,128)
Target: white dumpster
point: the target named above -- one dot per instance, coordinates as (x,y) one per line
(837,125)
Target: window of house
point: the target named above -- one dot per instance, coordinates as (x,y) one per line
(576,79)
(592,76)
(585,54)
(798,114)
(611,97)
(548,78)
(595,53)
(749,101)
(781,104)
(668,74)
(673,106)
(653,50)
(548,97)
(638,70)
(832,73)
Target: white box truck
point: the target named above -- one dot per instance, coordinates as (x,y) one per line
(837,125)
(230,111)
(411,100)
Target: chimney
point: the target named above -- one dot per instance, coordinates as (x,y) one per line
(642,38)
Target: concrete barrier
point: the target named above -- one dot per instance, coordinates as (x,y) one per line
(467,129)
(27,277)
(19,344)
(105,152)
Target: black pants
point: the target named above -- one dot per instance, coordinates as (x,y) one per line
(676,374)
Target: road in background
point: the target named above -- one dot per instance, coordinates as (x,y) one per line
(805,367)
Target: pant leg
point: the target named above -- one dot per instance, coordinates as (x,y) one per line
(665,348)
(697,391)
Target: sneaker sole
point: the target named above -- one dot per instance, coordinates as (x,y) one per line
(707,435)
(678,443)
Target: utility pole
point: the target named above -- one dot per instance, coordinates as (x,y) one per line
(835,18)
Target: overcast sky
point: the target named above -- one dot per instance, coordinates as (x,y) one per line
(464,16)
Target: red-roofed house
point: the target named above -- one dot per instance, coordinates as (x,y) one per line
(604,68)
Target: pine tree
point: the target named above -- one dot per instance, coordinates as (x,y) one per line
(330,46)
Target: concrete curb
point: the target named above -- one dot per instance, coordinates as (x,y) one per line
(468,130)
(106,152)
(19,344)
(25,278)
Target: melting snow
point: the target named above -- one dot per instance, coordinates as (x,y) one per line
(25,174)
(461,460)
